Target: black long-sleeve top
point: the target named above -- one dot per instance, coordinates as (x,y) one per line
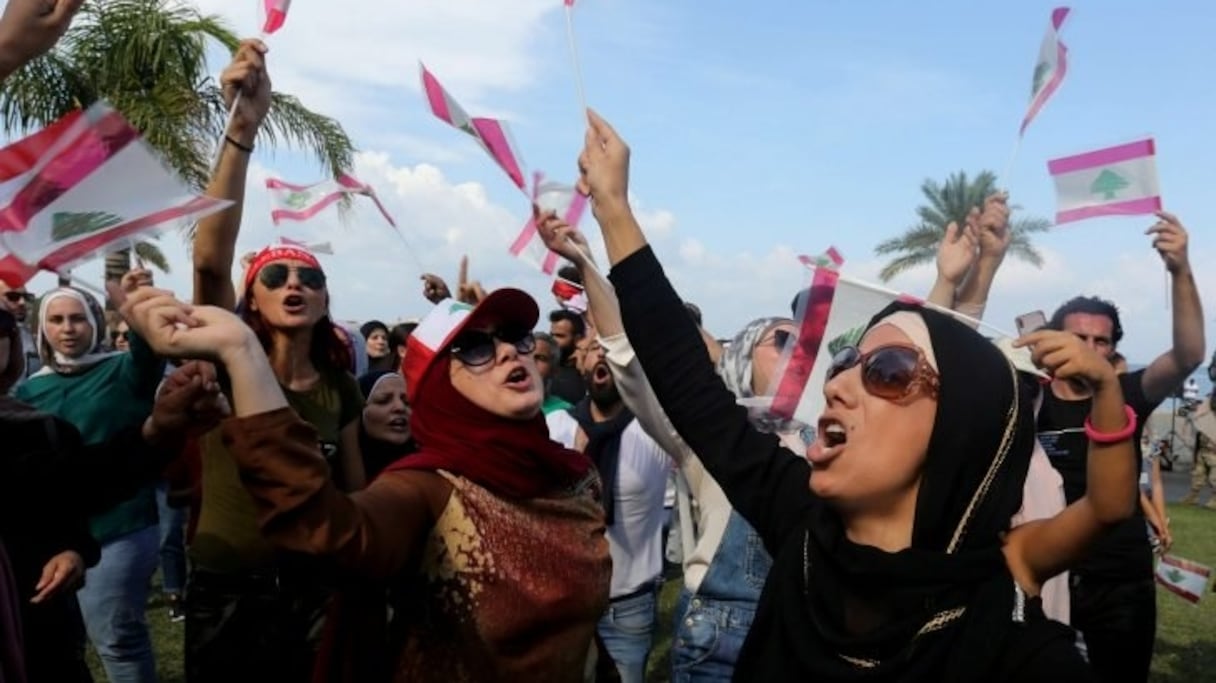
(766,483)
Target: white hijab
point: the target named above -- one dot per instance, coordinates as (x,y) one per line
(52,360)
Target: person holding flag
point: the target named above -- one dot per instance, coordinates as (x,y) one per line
(893,557)
(252,614)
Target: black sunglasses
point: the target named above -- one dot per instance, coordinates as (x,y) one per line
(115,336)
(275,276)
(474,348)
(18,297)
(891,372)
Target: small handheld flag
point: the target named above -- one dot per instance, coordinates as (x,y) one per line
(1115,181)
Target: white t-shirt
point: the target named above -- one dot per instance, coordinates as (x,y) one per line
(635,536)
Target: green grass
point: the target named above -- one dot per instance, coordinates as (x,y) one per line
(1186,635)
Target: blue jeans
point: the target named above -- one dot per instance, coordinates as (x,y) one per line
(627,629)
(113,601)
(172,542)
(708,636)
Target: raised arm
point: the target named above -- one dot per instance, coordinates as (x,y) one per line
(1170,369)
(215,237)
(29,28)
(994,237)
(1040,550)
(955,256)
(765,483)
(375,532)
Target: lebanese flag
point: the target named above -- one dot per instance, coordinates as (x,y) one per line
(276,15)
(1188,580)
(492,134)
(1116,181)
(291,202)
(1050,68)
(85,183)
(834,316)
(832,258)
(318,248)
(567,202)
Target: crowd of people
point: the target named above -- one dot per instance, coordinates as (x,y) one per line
(469,497)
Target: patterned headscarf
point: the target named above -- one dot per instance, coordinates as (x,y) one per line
(52,360)
(735,369)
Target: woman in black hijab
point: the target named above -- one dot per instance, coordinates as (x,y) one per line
(894,560)
(384,430)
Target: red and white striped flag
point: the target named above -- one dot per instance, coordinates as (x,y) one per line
(317,248)
(290,202)
(1050,68)
(833,317)
(1115,181)
(85,183)
(1188,580)
(276,15)
(567,202)
(492,134)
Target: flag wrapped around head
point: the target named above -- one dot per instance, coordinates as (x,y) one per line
(567,202)
(493,135)
(1114,181)
(1050,68)
(291,202)
(83,184)
(276,15)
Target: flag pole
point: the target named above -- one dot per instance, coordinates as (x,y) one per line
(236,101)
(578,69)
(1003,178)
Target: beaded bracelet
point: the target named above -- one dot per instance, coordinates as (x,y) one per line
(1105,438)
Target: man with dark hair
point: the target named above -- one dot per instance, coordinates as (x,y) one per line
(569,272)
(568,329)
(1114,601)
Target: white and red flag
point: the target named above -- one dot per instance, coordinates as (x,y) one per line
(316,248)
(567,202)
(1115,181)
(1050,68)
(492,134)
(276,15)
(1188,580)
(85,183)
(833,316)
(291,202)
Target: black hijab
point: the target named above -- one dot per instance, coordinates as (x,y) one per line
(377,453)
(946,604)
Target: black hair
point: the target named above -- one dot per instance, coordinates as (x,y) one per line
(398,335)
(575,320)
(1090,305)
(694,312)
(371,326)
(569,272)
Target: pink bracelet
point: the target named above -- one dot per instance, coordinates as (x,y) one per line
(1106,438)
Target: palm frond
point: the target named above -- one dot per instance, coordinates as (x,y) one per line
(151,254)
(902,263)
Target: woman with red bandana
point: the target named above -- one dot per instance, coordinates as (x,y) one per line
(252,612)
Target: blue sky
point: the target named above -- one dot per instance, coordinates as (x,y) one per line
(759,131)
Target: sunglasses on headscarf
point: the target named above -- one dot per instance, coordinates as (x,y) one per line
(891,372)
(475,347)
(275,275)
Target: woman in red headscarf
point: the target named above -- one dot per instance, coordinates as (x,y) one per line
(490,538)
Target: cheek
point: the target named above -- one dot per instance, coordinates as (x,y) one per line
(764,366)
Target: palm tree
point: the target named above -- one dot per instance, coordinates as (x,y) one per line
(950,202)
(148,58)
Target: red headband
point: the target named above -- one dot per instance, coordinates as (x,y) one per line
(278,253)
